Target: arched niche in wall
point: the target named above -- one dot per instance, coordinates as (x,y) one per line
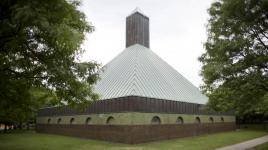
(179,120)
(211,120)
(48,120)
(222,119)
(110,120)
(197,120)
(156,120)
(72,121)
(59,121)
(88,121)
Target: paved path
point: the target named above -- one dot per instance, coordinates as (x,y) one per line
(246,145)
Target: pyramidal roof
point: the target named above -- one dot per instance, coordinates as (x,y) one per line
(137,10)
(138,71)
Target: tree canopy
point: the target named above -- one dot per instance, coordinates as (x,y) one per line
(40,45)
(235,64)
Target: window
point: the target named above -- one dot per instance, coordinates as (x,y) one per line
(156,120)
(179,120)
(49,121)
(59,121)
(110,120)
(72,121)
(197,120)
(222,119)
(211,120)
(88,121)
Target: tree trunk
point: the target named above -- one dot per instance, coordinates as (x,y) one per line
(28,126)
(20,125)
(5,129)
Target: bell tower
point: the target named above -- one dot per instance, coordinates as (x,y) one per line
(137,29)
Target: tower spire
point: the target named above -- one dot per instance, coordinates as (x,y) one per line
(137,29)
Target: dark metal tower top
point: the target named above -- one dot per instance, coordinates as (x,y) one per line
(137,29)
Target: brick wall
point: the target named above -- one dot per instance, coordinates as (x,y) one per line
(133,134)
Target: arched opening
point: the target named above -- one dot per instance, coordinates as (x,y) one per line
(110,120)
(211,120)
(156,120)
(179,120)
(197,120)
(222,119)
(72,121)
(59,121)
(49,121)
(88,121)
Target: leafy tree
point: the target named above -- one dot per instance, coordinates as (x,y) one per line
(235,64)
(40,48)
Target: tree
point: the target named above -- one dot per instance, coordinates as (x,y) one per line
(40,48)
(235,64)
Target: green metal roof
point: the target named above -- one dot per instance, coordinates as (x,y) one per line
(138,71)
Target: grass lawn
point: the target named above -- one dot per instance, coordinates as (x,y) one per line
(30,140)
(261,147)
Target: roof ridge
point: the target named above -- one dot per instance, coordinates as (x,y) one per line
(134,73)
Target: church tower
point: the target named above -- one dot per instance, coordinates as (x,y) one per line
(137,29)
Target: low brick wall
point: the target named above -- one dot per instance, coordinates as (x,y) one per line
(133,134)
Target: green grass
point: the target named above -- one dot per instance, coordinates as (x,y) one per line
(255,126)
(261,147)
(35,141)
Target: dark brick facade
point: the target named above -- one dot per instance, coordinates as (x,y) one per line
(133,134)
(133,104)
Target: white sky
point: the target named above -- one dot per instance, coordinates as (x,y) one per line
(177,31)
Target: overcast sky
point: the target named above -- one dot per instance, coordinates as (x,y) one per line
(177,31)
